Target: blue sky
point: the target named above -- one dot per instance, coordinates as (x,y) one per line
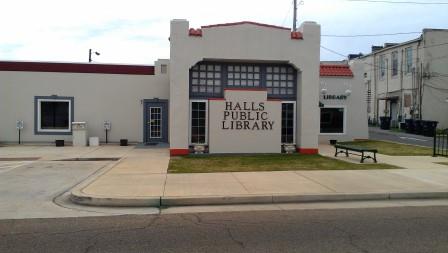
(135,31)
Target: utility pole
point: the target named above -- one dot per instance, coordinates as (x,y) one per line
(294,22)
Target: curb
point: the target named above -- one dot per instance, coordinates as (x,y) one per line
(84,199)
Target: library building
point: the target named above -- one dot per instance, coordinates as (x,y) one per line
(240,87)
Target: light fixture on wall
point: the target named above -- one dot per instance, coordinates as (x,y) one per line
(446,100)
(323,91)
(348,92)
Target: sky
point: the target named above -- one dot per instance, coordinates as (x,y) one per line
(137,31)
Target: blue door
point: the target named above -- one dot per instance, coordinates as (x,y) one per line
(156,121)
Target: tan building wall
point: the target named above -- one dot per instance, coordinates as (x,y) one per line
(97,97)
(423,85)
(355,122)
(254,127)
(246,42)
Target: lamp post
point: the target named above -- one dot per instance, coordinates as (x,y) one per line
(90,54)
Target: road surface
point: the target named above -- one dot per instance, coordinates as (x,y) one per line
(397,229)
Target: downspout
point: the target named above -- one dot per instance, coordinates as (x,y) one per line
(376,103)
(401,87)
(417,81)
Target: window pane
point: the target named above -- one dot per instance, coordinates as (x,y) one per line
(332,120)
(198,122)
(54,115)
(287,123)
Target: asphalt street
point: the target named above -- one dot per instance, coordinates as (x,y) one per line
(408,229)
(401,138)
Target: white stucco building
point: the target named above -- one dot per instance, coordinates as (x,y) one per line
(233,88)
(408,80)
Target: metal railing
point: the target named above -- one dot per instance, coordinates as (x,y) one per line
(441,143)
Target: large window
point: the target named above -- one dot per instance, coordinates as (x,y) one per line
(288,122)
(408,54)
(243,75)
(280,80)
(332,120)
(207,79)
(198,116)
(53,115)
(394,63)
(382,67)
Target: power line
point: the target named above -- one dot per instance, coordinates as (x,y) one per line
(368,35)
(378,67)
(400,2)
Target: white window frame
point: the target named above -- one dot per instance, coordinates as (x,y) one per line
(392,64)
(382,65)
(345,119)
(39,125)
(160,125)
(408,69)
(294,119)
(206,121)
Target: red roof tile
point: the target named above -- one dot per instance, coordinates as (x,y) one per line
(335,70)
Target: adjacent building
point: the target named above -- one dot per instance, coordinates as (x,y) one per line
(229,88)
(408,80)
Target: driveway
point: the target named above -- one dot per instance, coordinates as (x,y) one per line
(37,188)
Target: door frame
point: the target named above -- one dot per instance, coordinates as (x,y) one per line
(165,119)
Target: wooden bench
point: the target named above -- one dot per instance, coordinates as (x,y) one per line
(341,148)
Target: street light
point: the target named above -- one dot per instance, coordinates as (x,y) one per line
(90,54)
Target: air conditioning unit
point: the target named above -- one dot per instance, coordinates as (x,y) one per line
(367,76)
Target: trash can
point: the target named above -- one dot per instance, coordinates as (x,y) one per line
(59,143)
(79,131)
(409,126)
(429,128)
(123,142)
(385,123)
(418,127)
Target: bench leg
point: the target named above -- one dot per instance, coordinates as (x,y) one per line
(362,157)
(346,153)
(374,157)
(336,153)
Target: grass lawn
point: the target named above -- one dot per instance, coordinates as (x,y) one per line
(395,149)
(276,162)
(443,163)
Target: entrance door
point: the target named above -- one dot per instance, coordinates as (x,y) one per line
(156,121)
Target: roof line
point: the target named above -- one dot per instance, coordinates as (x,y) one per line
(246,22)
(76,67)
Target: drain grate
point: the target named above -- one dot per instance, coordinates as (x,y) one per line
(90,159)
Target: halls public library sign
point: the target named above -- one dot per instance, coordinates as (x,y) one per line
(244,122)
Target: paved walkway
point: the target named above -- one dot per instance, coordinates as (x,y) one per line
(140,179)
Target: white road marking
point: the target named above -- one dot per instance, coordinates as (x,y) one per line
(411,138)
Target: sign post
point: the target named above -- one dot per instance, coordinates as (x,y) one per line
(19,126)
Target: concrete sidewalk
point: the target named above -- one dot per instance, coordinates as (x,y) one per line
(140,179)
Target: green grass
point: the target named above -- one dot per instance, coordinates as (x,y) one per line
(394,149)
(443,163)
(277,162)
